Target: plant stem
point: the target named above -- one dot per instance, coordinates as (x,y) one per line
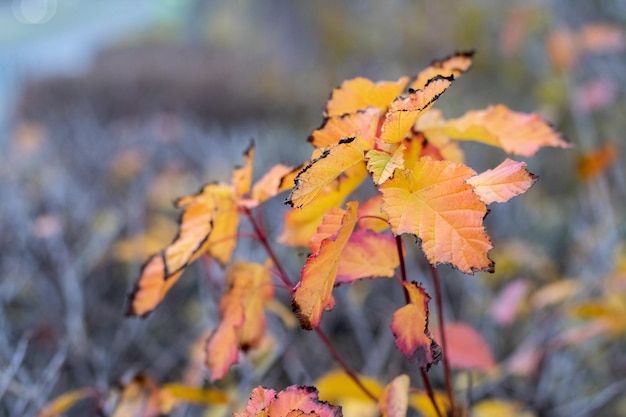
(262,236)
(407,299)
(444,346)
(343,364)
(429,391)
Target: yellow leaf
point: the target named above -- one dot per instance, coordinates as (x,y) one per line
(404,111)
(382,164)
(422,403)
(242,177)
(66,401)
(499,408)
(454,65)
(359,93)
(434,202)
(301,224)
(337,387)
(363,123)
(502,183)
(186,393)
(333,162)
(313,294)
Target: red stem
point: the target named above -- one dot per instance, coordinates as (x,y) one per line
(444,346)
(343,364)
(429,391)
(262,236)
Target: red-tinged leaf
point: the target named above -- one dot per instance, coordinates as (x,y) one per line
(509,301)
(301,224)
(363,123)
(404,111)
(242,177)
(293,401)
(394,402)
(372,216)
(151,287)
(518,133)
(454,65)
(313,294)
(367,255)
(499,185)
(601,37)
(243,321)
(434,202)
(360,93)
(259,401)
(322,171)
(382,164)
(595,94)
(410,328)
(64,402)
(466,348)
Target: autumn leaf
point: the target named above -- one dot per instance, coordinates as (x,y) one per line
(596,161)
(434,202)
(465,347)
(293,401)
(313,294)
(410,328)
(502,183)
(242,322)
(500,408)
(336,160)
(453,65)
(362,123)
(518,133)
(242,176)
(360,93)
(404,111)
(367,255)
(382,164)
(394,401)
(301,224)
(141,397)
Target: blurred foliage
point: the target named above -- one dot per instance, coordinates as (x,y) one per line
(90,162)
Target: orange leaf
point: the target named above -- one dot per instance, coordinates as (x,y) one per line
(410,328)
(313,294)
(454,65)
(518,133)
(359,93)
(596,161)
(151,287)
(242,176)
(404,111)
(434,202)
(301,224)
(293,401)
(363,123)
(268,186)
(466,348)
(431,124)
(141,398)
(66,401)
(601,37)
(331,223)
(367,255)
(394,402)
(382,164)
(243,321)
(323,170)
(502,183)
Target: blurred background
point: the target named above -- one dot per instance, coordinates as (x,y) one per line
(110,110)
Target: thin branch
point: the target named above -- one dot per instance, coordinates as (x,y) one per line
(429,391)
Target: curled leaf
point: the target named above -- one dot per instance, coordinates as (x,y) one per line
(502,183)
(394,401)
(454,65)
(410,328)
